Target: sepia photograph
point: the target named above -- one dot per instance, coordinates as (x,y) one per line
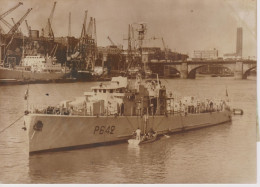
(128,92)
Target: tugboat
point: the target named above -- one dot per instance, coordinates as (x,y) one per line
(111,112)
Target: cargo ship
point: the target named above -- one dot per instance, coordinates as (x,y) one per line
(111,112)
(34,68)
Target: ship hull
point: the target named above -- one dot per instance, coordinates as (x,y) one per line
(6,73)
(58,132)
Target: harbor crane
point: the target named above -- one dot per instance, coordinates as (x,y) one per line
(28,28)
(14,29)
(83,31)
(6,23)
(79,53)
(16,26)
(95,32)
(5,14)
(165,49)
(90,28)
(10,10)
(69,29)
(13,21)
(141,29)
(95,40)
(119,46)
(164,46)
(20,30)
(48,32)
(54,50)
(84,54)
(113,44)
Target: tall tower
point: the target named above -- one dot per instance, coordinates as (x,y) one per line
(239,41)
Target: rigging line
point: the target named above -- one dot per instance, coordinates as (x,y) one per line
(11,124)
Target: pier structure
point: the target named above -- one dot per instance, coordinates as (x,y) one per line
(187,69)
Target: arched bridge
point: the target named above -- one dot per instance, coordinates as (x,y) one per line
(187,69)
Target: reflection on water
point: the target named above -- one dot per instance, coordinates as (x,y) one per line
(224,153)
(133,150)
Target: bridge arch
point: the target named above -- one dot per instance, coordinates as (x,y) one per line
(192,72)
(246,73)
(171,71)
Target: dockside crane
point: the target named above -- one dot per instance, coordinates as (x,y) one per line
(5,14)
(129,50)
(90,28)
(119,46)
(95,32)
(164,46)
(54,50)
(13,21)
(6,23)
(83,31)
(113,44)
(95,40)
(14,29)
(129,46)
(20,30)
(79,53)
(84,53)
(165,49)
(69,29)
(48,32)
(28,28)
(132,34)
(16,26)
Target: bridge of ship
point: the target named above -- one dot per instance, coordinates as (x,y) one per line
(187,69)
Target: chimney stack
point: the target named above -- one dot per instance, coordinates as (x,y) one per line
(239,41)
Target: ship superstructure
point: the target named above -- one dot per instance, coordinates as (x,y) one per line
(42,64)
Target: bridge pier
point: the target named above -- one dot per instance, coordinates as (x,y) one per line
(184,70)
(238,72)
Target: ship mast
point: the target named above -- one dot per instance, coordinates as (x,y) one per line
(129,51)
(141,34)
(23,52)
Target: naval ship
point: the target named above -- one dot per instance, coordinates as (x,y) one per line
(111,112)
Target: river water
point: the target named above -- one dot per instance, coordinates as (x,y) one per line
(224,153)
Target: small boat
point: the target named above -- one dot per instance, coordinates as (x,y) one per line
(149,140)
(143,141)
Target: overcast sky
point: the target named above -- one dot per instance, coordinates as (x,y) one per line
(185,25)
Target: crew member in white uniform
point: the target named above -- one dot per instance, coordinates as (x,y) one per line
(138,134)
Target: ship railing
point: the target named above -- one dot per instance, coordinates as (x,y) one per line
(78,111)
(195,109)
(37,108)
(112,111)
